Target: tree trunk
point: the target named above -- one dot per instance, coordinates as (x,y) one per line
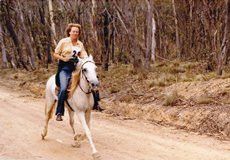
(27,39)
(47,34)
(53,35)
(49,57)
(112,39)
(95,42)
(148,34)
(14,37)
(35,36)
(105,53)
(4,59)
(136,49)
(178,47)
(225,40)
(153,56)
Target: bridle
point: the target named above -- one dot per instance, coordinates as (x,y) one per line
(90,88)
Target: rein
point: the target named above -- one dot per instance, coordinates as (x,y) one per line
(82,73)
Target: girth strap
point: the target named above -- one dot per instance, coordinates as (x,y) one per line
(69,105)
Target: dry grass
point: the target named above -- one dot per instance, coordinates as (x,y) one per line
(210,76)
(203,99)
(193,92)
(120,80)
(171,98)
(114,89)
(227,101)
(225,75)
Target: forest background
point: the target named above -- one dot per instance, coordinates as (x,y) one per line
(150,53)
(132,32)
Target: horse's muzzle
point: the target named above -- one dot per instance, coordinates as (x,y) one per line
(94,83)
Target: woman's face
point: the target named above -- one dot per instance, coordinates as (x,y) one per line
(74,33)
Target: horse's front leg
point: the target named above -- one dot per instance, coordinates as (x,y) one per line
(81,116)
(88,116)
(81,137)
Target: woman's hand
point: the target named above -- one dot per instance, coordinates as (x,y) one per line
(61,57)
(65,58)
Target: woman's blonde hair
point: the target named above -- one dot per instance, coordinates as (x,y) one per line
(70,25)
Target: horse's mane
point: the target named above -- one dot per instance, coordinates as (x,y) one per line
(74,81)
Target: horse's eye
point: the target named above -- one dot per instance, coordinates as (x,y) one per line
(84,70)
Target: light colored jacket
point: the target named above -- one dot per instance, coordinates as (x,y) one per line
(65,48)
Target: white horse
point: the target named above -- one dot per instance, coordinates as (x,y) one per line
(81,101)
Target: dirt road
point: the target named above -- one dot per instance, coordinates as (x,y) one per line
(21,123)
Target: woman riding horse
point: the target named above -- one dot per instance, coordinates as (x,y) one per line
(81,101)
(65,50)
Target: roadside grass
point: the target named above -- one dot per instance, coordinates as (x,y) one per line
(123,82)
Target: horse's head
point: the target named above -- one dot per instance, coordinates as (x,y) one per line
(88,71)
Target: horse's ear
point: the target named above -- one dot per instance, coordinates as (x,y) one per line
(80,60)
(91,57)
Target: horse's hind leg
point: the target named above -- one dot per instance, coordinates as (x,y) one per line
(48,115)
(71,120)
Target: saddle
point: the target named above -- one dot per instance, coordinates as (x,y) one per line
(72,63)
(67,92)
(69,89)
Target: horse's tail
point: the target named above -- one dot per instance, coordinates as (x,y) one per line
(49,110)
(45,111)
(50,96)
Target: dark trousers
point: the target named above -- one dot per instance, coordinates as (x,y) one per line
(64,77)
(96,98)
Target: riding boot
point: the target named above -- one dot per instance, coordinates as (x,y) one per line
(96,98)
(98,108)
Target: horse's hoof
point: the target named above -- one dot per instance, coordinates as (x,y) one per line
(76,144)
(80,137)
(96,156)
(43,136)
